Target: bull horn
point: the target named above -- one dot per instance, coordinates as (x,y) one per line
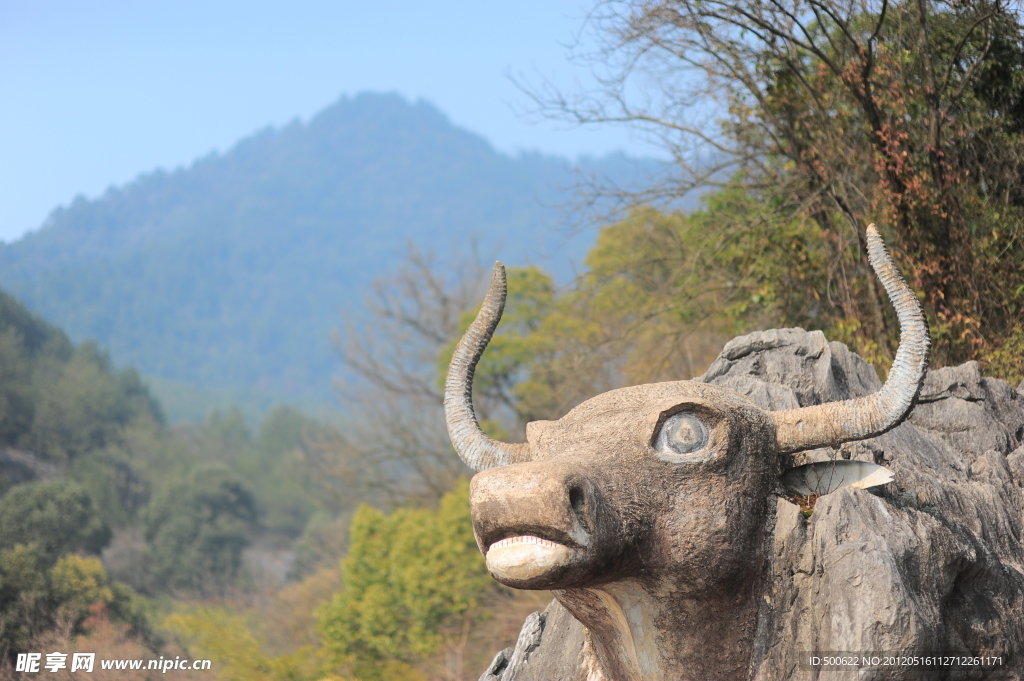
(834,423)
(472,444)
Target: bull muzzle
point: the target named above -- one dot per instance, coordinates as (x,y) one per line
(545,525)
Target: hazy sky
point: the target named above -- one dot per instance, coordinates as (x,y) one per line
(93,93)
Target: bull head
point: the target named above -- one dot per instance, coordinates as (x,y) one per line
(645,509)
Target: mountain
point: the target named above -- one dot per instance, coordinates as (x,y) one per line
(225,278)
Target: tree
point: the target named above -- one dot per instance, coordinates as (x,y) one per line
(660,295)
(216,633)
(664,291)
(24,597)
(508,386)
(38,594)
(392,392)
(197,528)
(83,405)
(288,491)
(904,113)
(57,516)
(413,581)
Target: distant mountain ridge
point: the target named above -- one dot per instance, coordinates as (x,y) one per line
(229,274)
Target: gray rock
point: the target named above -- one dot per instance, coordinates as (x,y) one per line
(932,562)
(560,658)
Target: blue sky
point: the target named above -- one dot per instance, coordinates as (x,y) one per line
(94,93)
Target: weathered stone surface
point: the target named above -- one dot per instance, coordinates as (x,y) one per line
(932,562)
(560,659)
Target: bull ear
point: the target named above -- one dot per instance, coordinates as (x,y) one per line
(834,423)
(472,444)
(825,477)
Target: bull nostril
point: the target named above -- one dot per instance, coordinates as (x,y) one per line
(577,501)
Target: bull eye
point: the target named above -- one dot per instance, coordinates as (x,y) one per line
(680,435)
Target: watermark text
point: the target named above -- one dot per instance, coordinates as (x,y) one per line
(34,663)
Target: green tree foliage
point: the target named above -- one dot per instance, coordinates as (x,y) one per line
(96,436)
(61,401)
(81,419)
(274,465)
(26,343)
(663,292)
(903,113)
(514,350)
(659,296)
(196,529)
(24,597)
(288,490)
(413,581)
(221,635)
(37,594)
(15,384)
(83,406)
(323,541)
(56,516)
(80,589)
(116,485)
(64,408)
(924,136)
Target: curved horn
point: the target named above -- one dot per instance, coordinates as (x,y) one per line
(834,423)
(473,446)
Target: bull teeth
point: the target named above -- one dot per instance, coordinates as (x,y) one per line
(523,539)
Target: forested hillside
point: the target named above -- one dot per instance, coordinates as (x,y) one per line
(127,538)
(230,274)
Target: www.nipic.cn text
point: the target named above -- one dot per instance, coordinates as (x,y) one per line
(85,662)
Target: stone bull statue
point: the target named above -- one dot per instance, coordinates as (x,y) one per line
(653,514)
